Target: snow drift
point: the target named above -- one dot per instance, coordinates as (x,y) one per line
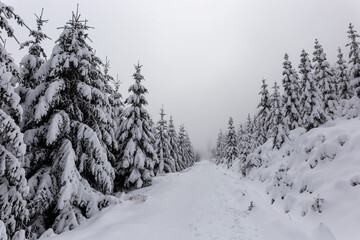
(314,177)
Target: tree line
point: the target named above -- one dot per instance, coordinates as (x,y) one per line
(68,142)
(312,95)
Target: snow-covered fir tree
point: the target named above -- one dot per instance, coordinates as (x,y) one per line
(68,143)
(291,99)
(354,59)
(278,130)
(13,185)
(246,144)
(220,147)
(36,56)
(174,146)
(263,113)
(185,148)
(312,109)
(231,151)
(344,87)
(324,79)
(115,110)
(162,147)
(137,154)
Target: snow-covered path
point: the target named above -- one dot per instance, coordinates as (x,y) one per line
(202,203)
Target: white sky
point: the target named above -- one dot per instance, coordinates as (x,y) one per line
(203,59)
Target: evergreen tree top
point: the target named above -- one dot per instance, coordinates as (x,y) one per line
(138,90)
(137,75)
(319,55)
(340,55)
(34,45)
(162,114)
(352,35)
(305,65)
(231,122)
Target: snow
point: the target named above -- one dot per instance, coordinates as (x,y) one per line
(45,100)
(205,202)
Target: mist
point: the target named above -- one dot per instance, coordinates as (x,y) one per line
(202,60)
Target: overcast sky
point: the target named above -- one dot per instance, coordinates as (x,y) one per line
(202,59)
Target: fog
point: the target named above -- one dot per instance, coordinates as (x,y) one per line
(202,59)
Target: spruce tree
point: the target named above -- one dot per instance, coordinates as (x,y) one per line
(231,152)
(291,99)
(137,155)
(174,145)
(345,90)
(36,56)
(246,140)
(354,59)
(279,131)
(324,79)
(68,144)
(312,110)
(185,148)
(13,185)
(263,112)
(220,147)
(162,147)
(114,112)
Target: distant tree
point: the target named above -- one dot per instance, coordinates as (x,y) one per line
(220,147)
(185,148)
(263,113)
(197,157)
(312,109)
(291,100)
(345,90)
(163,147)
(231,152)
(279,130)
(354,59)
(115,110)
(174,145)
(137,154)
(324,79)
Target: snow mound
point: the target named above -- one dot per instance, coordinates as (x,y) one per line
(314,177)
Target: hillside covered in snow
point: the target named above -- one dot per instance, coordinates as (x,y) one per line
(313,178)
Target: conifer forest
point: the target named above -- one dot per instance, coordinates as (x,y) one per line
(82,158)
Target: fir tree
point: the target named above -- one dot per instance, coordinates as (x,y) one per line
(220,147)
(345,90)
(263,112)
(174,145)
(246,140)
(115,110)
(36,56)
(13,185)
(291,103)
(162,147)
(137,154)
(231,152)
(354,59)
(324,79)
(68,159)
(311,105)
(278,130)
(185,148)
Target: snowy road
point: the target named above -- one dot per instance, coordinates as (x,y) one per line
(202,203)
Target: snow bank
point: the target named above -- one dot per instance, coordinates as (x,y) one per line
(314,178)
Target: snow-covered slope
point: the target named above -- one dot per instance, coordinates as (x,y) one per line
(314,178)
